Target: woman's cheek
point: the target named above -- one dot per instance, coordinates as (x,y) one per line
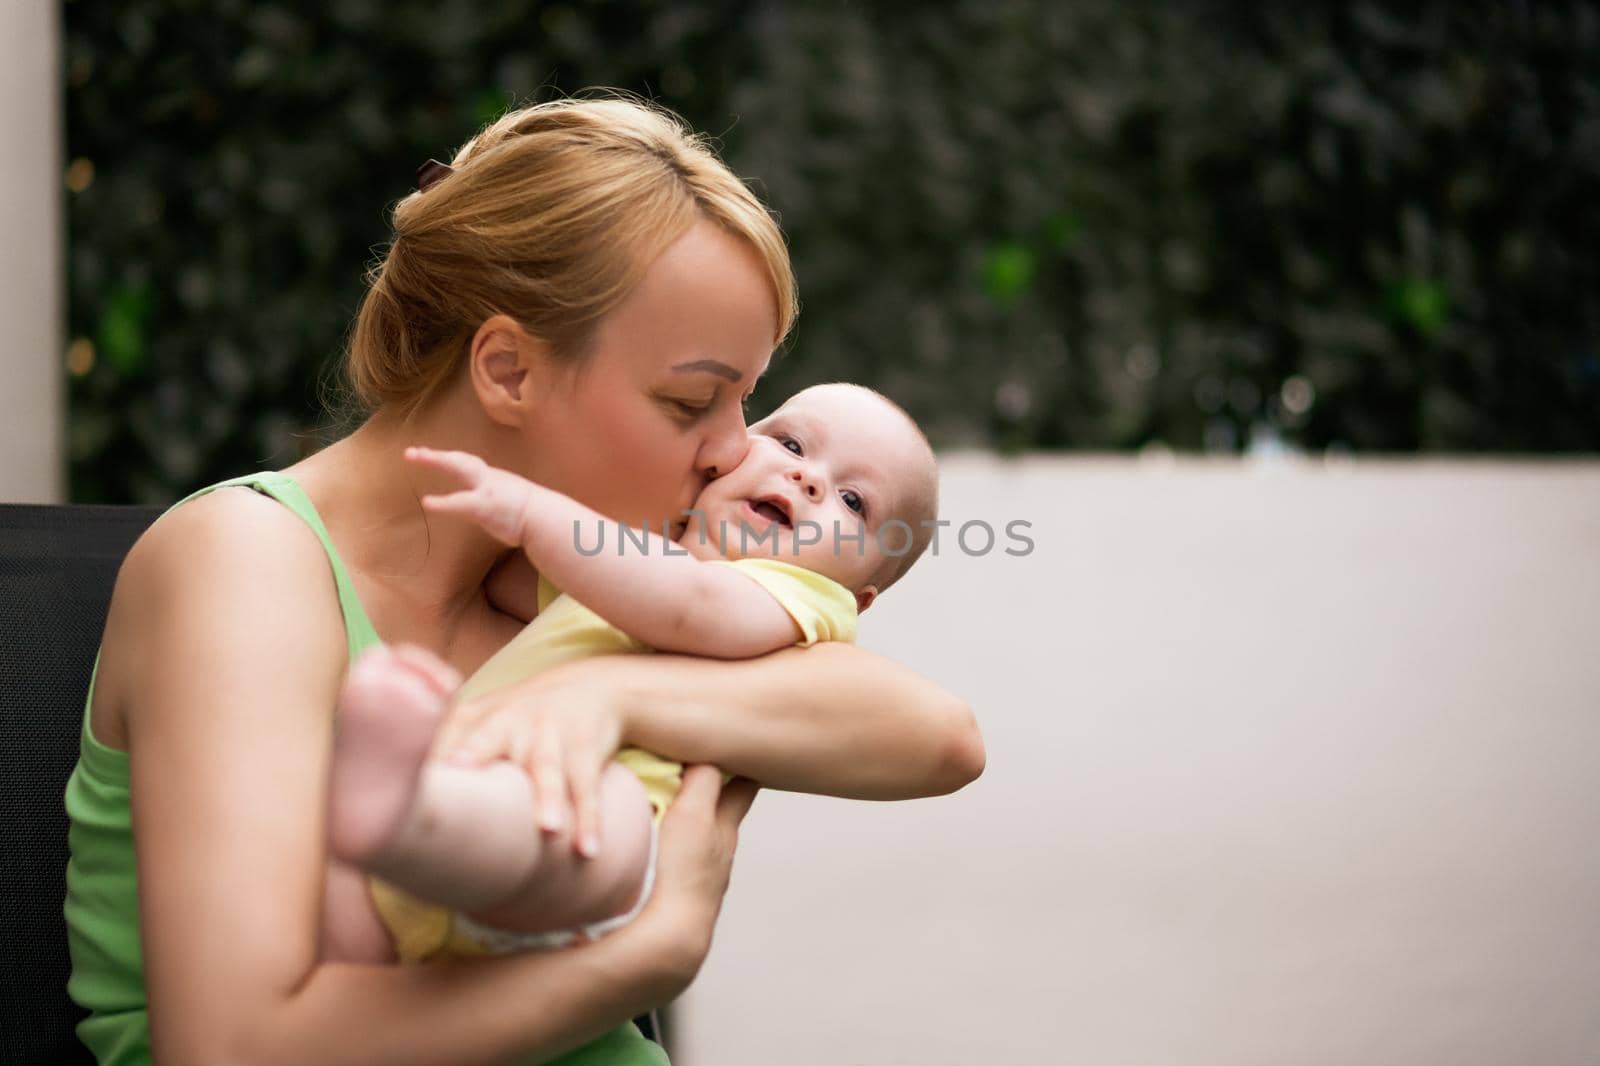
(664,466)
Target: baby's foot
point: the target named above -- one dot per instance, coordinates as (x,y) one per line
(389,710)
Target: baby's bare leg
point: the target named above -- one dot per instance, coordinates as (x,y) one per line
(389,710)
(562,889)
(351,928)
(468,837)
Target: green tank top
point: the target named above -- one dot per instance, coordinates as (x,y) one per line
(102,891)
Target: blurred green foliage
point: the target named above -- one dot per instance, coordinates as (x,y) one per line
(1036,224)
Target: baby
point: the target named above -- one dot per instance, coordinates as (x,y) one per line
(832,504)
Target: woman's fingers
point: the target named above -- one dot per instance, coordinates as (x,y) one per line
(476,748)
(707,797)
(549,783)
(464,719)
(694,861)
(583,778)
(698,836)
(562,735)
(688,827)
(697,796)
(734,803)
(448,741)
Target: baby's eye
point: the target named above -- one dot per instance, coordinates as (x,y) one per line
(853,501)
(792,444)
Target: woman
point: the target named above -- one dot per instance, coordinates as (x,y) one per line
(586,298)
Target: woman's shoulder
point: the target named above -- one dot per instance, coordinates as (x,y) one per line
(224,575)
(228,533)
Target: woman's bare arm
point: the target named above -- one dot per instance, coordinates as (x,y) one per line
(832,719)
(538,1004)
(228,636)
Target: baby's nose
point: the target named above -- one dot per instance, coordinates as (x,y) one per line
(807,485)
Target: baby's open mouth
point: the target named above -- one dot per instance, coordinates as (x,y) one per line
(770,511)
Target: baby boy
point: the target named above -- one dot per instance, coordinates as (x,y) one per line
(833,502)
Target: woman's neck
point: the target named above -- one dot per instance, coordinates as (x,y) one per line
(370,499)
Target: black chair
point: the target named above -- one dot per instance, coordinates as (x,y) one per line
(57,568)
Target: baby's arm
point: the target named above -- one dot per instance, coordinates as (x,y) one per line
(659,593)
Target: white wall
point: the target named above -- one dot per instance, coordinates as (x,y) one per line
(31,390)
(1287,764)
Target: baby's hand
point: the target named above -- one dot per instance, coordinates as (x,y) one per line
(495,499)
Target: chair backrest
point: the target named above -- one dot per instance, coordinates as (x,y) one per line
(57,567)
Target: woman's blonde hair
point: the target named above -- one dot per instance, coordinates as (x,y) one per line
(551,215)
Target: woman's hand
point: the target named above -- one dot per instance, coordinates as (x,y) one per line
(695,861)
(562,726)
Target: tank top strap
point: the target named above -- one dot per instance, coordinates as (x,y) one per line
(359,632)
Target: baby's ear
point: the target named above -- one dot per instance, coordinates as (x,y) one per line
(865,597)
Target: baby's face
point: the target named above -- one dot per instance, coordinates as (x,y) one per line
(832,464)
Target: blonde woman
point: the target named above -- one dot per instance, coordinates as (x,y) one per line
(585,296)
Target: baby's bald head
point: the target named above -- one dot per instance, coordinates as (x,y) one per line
(895,447)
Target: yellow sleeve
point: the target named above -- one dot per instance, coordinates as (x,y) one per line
(820,606)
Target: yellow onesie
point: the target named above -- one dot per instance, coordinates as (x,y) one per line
(566,630)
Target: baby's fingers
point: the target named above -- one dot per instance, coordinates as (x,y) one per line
(469,502)
(464,465)
(439,674)
(499,518)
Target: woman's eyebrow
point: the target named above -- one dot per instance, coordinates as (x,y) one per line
(709,366)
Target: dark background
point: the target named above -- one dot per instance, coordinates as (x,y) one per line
(1037,224)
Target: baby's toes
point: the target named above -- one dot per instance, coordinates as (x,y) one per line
(438,675)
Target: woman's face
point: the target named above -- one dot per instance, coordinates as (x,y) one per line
(656,409)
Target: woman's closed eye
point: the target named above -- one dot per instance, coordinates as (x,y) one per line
(693,409)
(690,409)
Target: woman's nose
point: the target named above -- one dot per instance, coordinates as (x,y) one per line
(724,448)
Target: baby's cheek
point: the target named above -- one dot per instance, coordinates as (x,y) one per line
(840,559)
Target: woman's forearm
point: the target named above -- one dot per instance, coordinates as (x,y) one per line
(830,719)
(526,1007)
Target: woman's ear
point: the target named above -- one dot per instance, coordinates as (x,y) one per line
(865,597)
(501,364)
